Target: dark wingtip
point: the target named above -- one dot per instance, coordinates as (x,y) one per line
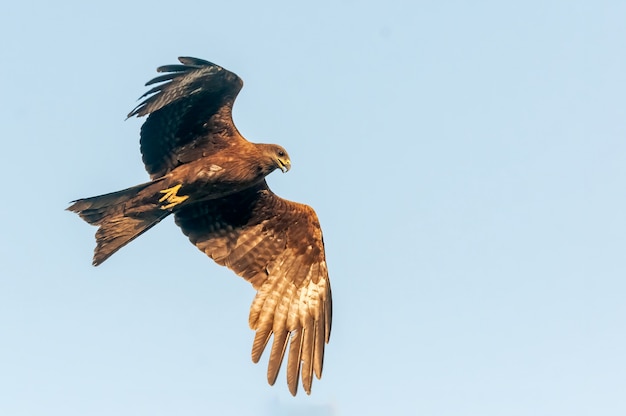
(189,60)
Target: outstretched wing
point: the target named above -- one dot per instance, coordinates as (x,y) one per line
(277,246)
(190,114)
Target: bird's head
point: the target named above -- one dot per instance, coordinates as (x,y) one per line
(280,157)
(282,160)
(275,156)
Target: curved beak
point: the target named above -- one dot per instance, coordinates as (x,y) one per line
(284,165)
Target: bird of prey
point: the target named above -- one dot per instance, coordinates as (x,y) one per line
(204,172)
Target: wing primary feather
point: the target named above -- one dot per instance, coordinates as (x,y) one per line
(328,313)
(293,361)
(260,341)
(140,110)
(153,90)
(307,359)
(164,77)
(318,352)
(173,68)
(188,60)
(188,63)
(276,356)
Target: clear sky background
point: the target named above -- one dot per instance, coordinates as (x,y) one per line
(467,161)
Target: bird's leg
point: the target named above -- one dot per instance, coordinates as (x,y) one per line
(170,198)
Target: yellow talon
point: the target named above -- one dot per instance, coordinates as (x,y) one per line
(171,197)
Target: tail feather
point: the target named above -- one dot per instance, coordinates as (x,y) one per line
(95,209)
(121,216)
(115,232)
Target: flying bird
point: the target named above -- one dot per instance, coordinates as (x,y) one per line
(212,179)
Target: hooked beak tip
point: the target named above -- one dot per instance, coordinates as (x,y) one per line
(284,167)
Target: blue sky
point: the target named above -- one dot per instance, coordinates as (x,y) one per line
(467,161)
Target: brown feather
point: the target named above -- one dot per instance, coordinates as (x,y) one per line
(293,361)
(261,338)
(318,353)
(279,346)
(307,355)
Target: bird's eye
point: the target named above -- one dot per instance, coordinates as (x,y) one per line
(281,153)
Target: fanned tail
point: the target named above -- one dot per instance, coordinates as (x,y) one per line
(121,218)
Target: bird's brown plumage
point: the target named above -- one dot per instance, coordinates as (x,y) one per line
(213,181)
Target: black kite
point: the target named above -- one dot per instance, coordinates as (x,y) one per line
(213,181)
